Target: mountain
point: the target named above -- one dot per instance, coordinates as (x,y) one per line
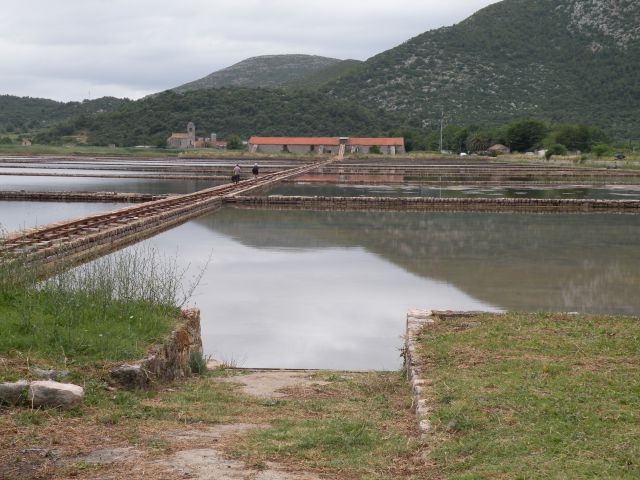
(227,110)
(34,113)
(269,71)
(319,78)
(557,60)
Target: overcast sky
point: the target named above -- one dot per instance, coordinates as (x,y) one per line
(73,49)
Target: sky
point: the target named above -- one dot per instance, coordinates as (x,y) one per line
(78,49)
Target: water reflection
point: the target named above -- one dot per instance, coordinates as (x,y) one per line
(514,261)
(629,192)
(330,289)
(300,304)
(20,215)
(93,184)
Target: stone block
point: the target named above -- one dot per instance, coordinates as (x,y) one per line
(13,393)
(130,376)
(47,393)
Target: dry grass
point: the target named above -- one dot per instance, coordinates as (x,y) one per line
(354,426)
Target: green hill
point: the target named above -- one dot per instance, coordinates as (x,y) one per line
(26,113)
(228,110)
(319,78)
(269,71)
(557,60)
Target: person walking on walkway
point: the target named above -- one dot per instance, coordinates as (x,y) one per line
(255,170)
(236,174)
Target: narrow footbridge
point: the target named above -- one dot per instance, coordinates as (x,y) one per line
(77,240)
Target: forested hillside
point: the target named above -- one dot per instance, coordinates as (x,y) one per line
(271,71)
(26,113)
(557,60)
(319,78)
(225,111)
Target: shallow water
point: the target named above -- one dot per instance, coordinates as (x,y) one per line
(93,184)
(628,192)
(304,289)
(20,215)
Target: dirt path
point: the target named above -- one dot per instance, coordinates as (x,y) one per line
(250,425)
(194,453)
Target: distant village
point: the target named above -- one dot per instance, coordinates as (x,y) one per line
(387,146)
(189,140)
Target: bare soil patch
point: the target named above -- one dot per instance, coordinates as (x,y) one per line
(274,384)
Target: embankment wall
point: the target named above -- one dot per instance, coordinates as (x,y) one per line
(429,204)
(108,197)
(167,361)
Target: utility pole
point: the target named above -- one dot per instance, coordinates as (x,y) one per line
(441,128)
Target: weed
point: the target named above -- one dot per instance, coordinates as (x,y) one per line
(157,443)
(198,363)
(82,466)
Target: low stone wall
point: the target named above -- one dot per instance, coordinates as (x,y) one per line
(108,197)
(167,361)
(417,322)
(429,204)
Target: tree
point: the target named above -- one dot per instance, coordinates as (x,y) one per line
(600,150)
(576,137)
(412,140)
(556,149)
(234,142)
(525,135)
(478,141)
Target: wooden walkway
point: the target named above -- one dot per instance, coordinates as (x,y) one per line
(77,240)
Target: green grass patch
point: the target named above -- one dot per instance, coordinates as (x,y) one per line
(535,396)
(334,442)
(110,310)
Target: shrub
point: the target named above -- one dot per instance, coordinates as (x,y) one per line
(600,150)
(197,363)
(556,149)
(234,142)
(375,150)
(525,135)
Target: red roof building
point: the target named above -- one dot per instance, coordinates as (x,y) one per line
(294,144)
(389,146)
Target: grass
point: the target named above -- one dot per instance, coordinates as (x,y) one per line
(108,310)
(534,396)
(361,425)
